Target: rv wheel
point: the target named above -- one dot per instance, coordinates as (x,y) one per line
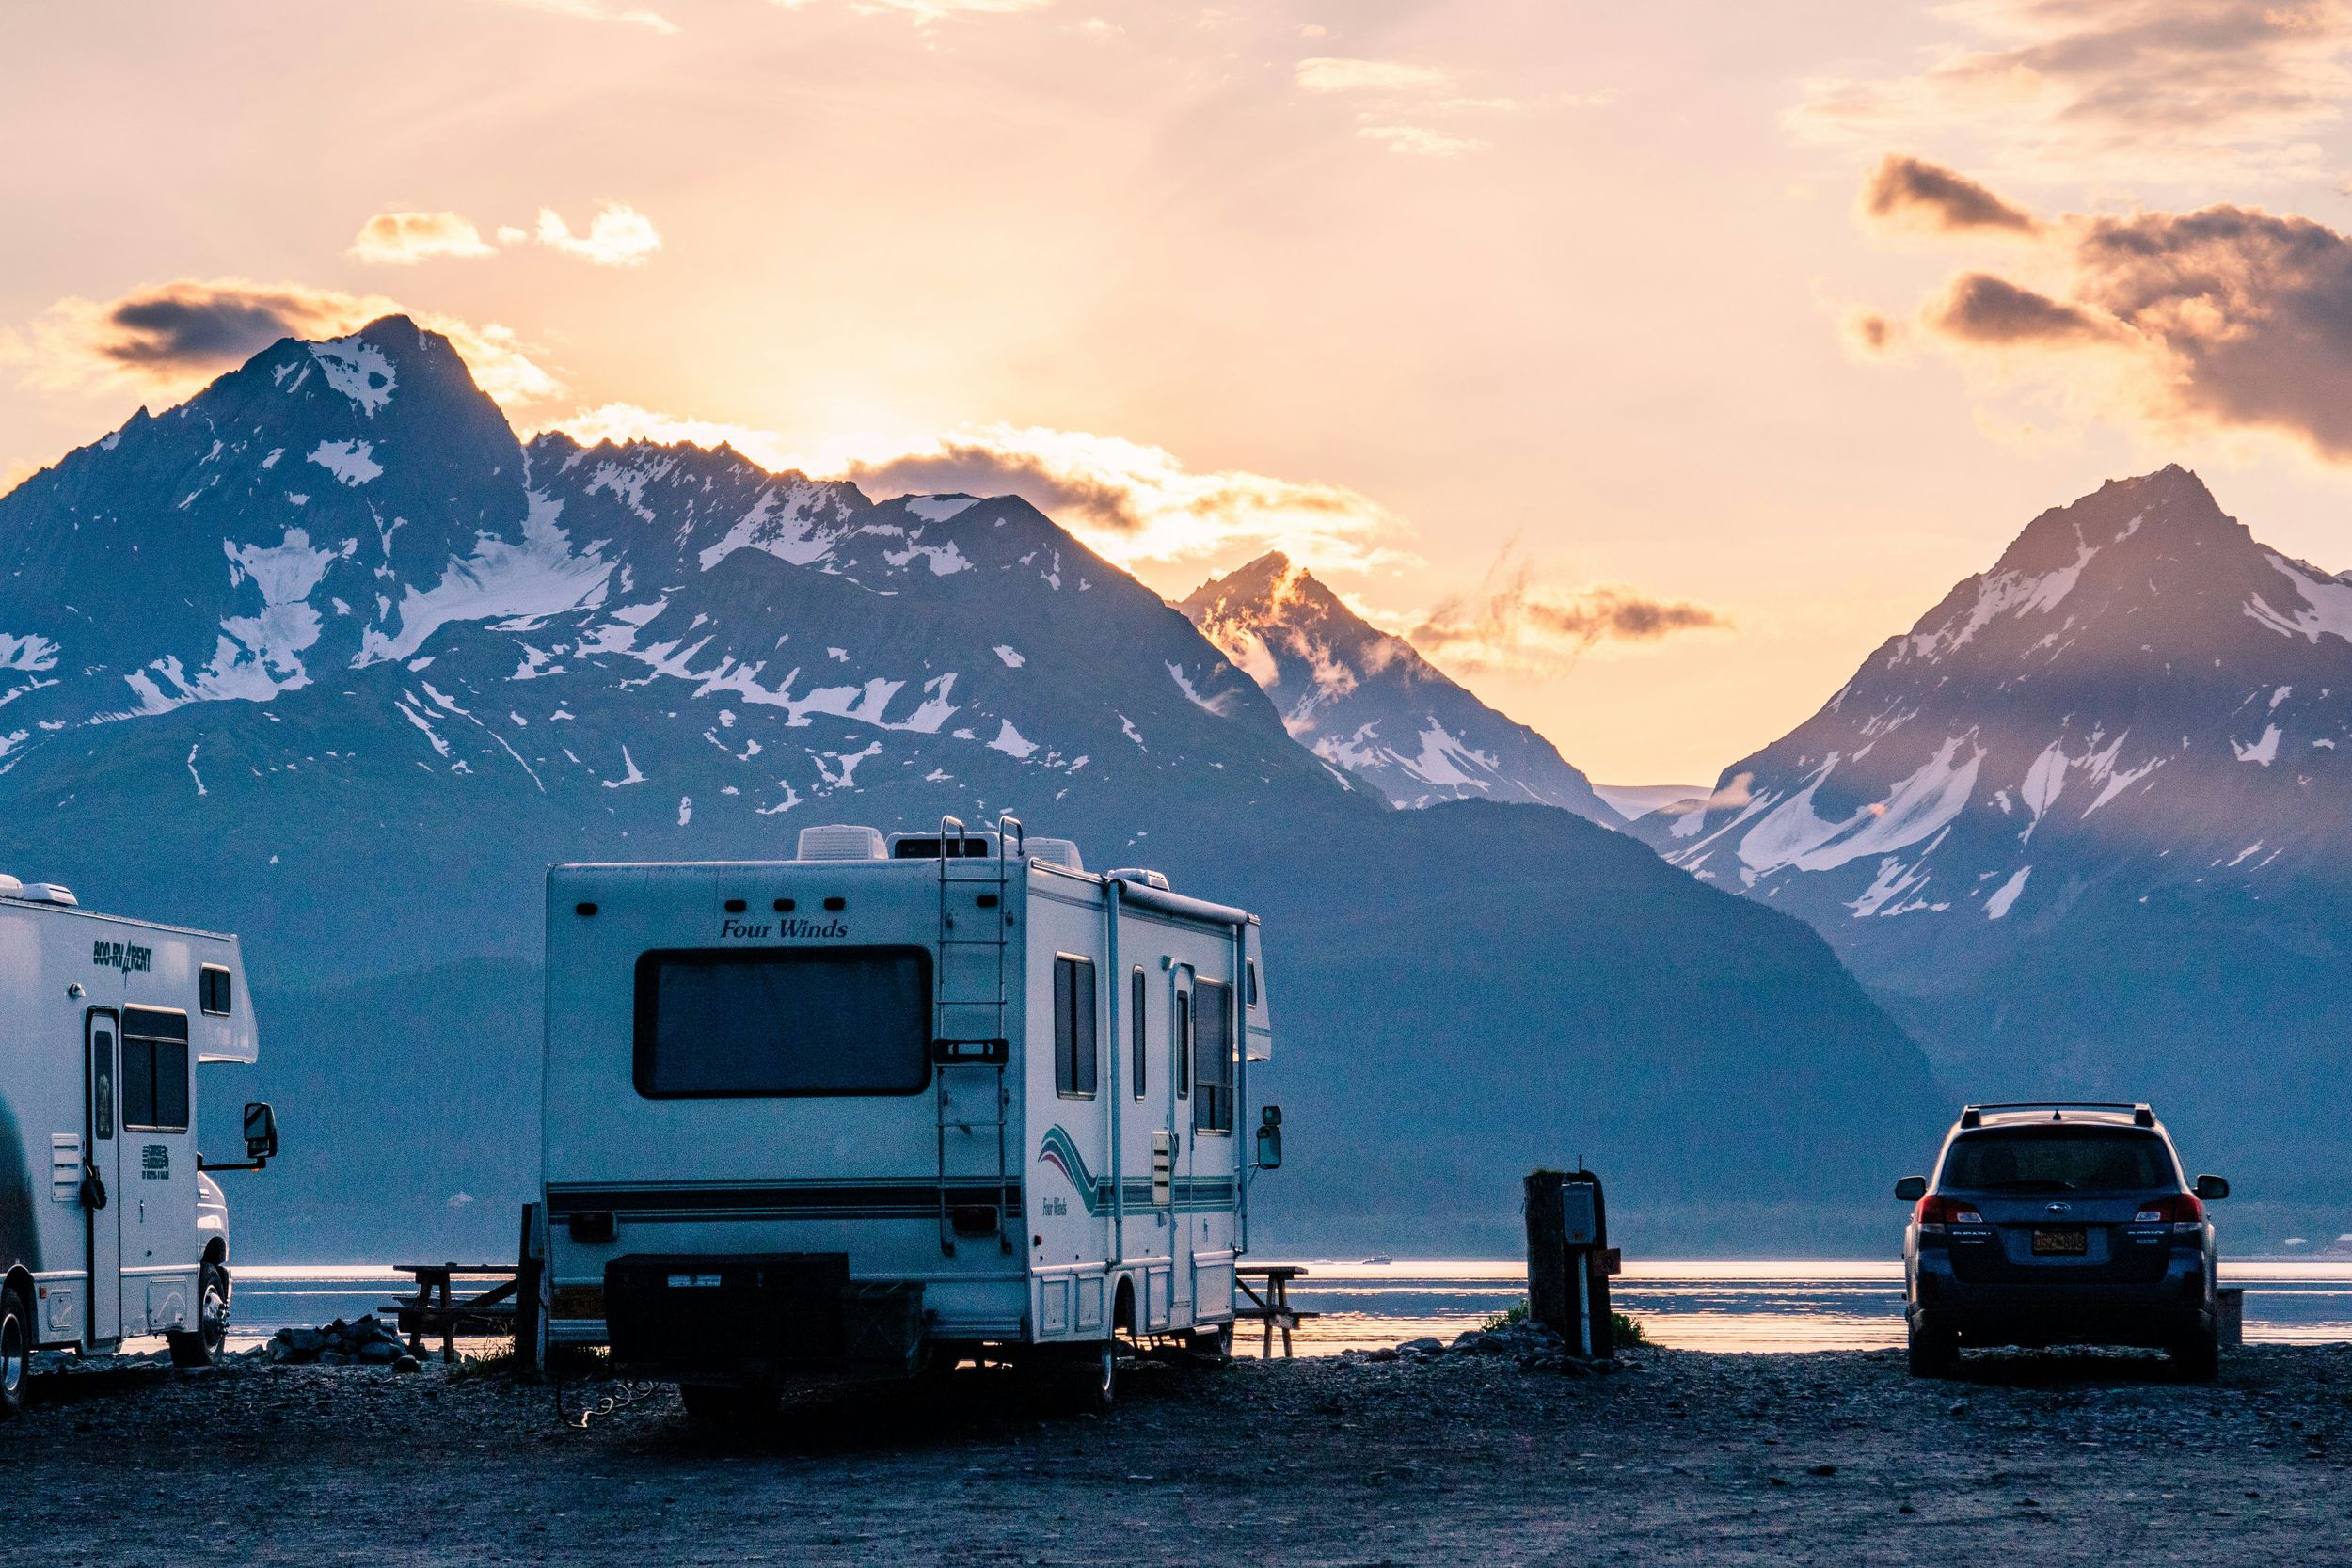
(1094,1376)
(16,1347)
(202,1347)
(1212,1346)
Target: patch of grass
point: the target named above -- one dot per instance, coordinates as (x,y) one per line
(1516,1312)
(1629,1331)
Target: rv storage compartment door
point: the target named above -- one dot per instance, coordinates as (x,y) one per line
(748,1317)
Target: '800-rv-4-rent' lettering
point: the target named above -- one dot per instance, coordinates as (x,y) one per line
(893,1104)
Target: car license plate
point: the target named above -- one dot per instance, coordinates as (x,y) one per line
(2070,1243)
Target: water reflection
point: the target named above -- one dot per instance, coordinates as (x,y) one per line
(1739,1307)
(1715,1306)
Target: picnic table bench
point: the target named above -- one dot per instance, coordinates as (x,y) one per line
(435,1308)
(1273,1309)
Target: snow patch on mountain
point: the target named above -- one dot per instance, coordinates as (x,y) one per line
(2326,607)
(1791,835)
(938,509)
(27,652)
(2005,896)
(541,576)
(352,463)
(357,369)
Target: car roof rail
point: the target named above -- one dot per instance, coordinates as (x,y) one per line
(2143,1115)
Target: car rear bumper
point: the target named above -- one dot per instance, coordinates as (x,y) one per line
(2158,1313)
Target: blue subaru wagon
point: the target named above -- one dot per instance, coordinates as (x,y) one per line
(2059,1224)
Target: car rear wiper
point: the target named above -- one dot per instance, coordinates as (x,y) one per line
(2030,1185)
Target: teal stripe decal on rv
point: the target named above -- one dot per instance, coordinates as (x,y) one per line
(1206,1194)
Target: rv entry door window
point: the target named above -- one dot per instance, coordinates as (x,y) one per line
(718,1022)
(1212,1056)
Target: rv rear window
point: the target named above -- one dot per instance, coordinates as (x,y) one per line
(731,1023)
(154,1070)
(1074,1054)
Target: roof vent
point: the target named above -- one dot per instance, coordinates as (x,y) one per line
(46,893)
(10,886)
(1057,851)
(1137,874)
(841,841)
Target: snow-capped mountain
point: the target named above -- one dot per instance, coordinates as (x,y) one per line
(1364,700)
(326,657)
(2085,824)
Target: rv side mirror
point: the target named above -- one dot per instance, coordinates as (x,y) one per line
(2212,1188)
(261,1131)
(1270,1138)
(1910,1189)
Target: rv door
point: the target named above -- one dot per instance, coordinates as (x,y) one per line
(1181,1221)
(101,1176)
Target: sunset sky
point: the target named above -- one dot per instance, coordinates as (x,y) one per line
(1510,320)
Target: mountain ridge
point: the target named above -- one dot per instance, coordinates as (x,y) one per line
(1367,701)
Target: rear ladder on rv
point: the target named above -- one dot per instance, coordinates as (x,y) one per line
(971,1050)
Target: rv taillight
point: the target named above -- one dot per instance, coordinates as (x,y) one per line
(1935,1212)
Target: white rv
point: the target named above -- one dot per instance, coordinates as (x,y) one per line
(892,1104)
(109,1229)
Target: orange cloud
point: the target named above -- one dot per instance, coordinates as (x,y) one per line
(400,238)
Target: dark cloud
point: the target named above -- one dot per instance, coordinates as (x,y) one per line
(1911,192)
(2230,317)
(2254,310)
(1985,309)
(199,328)
(1511,621)
(970,468)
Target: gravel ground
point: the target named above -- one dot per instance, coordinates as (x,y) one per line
(1681,1457)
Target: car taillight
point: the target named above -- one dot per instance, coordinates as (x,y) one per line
(2184,1212)
(1935,1212)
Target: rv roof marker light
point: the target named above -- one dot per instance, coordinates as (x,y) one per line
(837,902)
(586,911)
(736,906)
(784,906)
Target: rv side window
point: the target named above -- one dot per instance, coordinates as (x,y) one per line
(154,1070)
(736,1021)
(1073,1027)
(1138,1019)
(1180,1053)
(216,990)
(1212,1056)
(1252,967)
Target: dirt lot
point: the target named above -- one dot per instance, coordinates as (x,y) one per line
(1682,1457)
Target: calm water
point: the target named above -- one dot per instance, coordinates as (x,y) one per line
(1694,1306)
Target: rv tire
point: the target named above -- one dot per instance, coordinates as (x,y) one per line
(16,1349)
(1211,1346)
(1094,1377)
(202,1347)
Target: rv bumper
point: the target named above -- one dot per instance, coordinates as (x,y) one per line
(762,1318)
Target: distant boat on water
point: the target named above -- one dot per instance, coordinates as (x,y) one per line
(1380,1257)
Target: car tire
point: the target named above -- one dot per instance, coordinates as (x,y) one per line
(16,1350)
(2199,1357)
(203,1346)
(1933,1352)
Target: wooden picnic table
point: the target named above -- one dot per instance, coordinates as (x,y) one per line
(1273,1309)
(434,1307)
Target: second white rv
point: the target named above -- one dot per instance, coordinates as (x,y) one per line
(891,1105)
(110,1227)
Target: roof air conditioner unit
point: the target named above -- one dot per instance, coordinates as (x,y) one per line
(840,840)
(1057,851)
(48,892)
(10,886)
(1137,874)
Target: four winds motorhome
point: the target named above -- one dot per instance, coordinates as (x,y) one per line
(891,1105)
(109,1229)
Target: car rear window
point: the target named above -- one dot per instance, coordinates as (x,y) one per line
(2058,1159)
